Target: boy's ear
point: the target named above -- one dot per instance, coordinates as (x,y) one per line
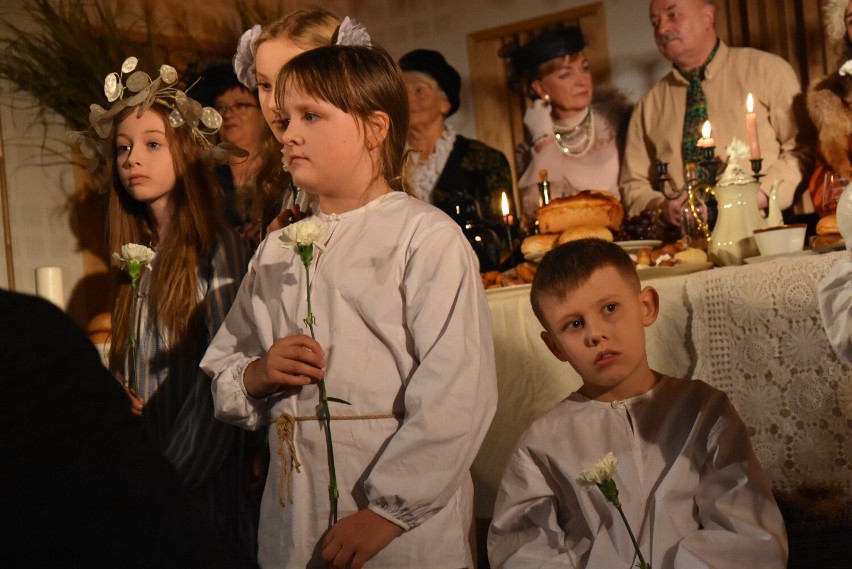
(649,300)
(553,346)
(377,127)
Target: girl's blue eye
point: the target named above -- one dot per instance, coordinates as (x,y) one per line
(310,117)
(154,145)
(122,148)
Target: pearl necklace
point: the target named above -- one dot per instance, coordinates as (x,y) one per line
(576,141)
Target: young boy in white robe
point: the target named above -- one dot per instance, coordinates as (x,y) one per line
(689,483)
(403,334)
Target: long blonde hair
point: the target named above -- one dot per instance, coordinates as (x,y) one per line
(308,28)
(197,207)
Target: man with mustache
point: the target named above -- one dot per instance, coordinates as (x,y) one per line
(710,80)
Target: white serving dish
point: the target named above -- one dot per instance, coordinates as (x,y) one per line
(780,239)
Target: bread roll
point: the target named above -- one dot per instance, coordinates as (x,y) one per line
(535,246)
(827,225)
(585,232)
(589,207)
(691,255)
(826,240)
(526,271)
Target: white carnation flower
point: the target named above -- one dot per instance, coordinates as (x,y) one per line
(846,68)
(598,472)
(303,233)
(133,252)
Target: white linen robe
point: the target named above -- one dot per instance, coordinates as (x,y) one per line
(688,481)
(402,317)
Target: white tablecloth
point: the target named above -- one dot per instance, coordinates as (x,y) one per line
(734,354)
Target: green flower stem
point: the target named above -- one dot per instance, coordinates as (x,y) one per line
(134,321)
(642,563)
(610,492)
(306,253)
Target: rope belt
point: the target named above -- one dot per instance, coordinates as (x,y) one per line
(285,424)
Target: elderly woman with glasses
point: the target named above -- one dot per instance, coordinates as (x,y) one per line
(254,184)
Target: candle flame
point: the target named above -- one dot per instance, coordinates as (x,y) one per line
(504,204)
(706,130)
(750,103)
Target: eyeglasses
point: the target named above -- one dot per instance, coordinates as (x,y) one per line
(238,108)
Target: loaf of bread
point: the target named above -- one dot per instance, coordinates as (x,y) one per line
(535,246)
(827,225)
(585,232)
(827,231)
(589,207)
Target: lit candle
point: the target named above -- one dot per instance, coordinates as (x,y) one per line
(49,285)
(751,127)
(504,205)
(507,218)
(706,140)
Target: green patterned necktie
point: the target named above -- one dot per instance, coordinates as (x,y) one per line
(696,111)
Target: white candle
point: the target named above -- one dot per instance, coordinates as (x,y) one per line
(751,127)
(49,285)
(504,204)
(706,140)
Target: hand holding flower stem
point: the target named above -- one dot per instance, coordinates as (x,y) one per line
(600,474)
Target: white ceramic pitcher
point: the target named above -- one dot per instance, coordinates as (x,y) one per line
(732,239)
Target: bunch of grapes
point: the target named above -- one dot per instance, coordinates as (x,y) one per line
(642,226)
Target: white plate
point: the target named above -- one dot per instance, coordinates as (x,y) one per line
(679,269)
(633,246)
(764,258)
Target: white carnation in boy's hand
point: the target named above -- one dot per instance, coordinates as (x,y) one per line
(303,233)
(598,472)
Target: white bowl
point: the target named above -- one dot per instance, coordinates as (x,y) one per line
(781,239)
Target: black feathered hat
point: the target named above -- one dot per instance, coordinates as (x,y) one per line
(524,60)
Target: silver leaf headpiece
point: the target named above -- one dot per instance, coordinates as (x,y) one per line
(139,90)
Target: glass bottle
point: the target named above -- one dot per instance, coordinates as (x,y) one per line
(466,213)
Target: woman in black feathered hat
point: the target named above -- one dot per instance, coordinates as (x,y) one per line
(442,162)
(574,136)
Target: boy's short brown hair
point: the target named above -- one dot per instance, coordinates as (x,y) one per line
(568,266)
